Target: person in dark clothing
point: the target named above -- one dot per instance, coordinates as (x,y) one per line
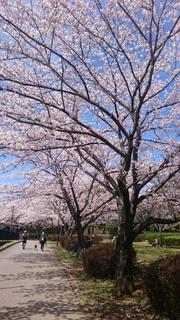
(42,240)
(24,239)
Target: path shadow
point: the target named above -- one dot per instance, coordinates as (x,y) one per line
(47,292)
(60,310)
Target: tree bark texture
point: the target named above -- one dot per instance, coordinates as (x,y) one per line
(124,252)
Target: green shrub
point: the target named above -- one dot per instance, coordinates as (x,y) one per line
(167,238)
(171,241)
(112,228)
(162,281)
(151,236)
(99,260)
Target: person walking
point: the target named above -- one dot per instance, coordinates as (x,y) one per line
(42,240)
(24,239)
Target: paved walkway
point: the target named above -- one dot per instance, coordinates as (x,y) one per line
(34,286)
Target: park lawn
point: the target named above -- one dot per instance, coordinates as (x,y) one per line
(146,253)
(99,289)
(98,294)
(96,288)
(156,234)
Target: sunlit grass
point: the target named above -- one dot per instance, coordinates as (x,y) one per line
(146,253)
(100,290)
(96,289)
(67,257)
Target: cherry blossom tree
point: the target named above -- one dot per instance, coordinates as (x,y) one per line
(162,205)
(29,207)
(56,175)
(99,78)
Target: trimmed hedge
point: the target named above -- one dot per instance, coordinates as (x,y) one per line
(162,282)
(112,228)
(71,242)
(99,260)
(168,239)
(171,241)
(150,237)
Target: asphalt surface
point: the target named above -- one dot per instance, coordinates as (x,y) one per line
(34,286)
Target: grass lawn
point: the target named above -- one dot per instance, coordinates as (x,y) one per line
(98,295)
(146,253)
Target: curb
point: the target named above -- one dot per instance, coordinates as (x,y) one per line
(7,245)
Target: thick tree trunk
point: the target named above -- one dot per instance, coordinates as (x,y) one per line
(124,266)
(124,253)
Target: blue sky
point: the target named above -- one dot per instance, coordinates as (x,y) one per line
(12,176)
